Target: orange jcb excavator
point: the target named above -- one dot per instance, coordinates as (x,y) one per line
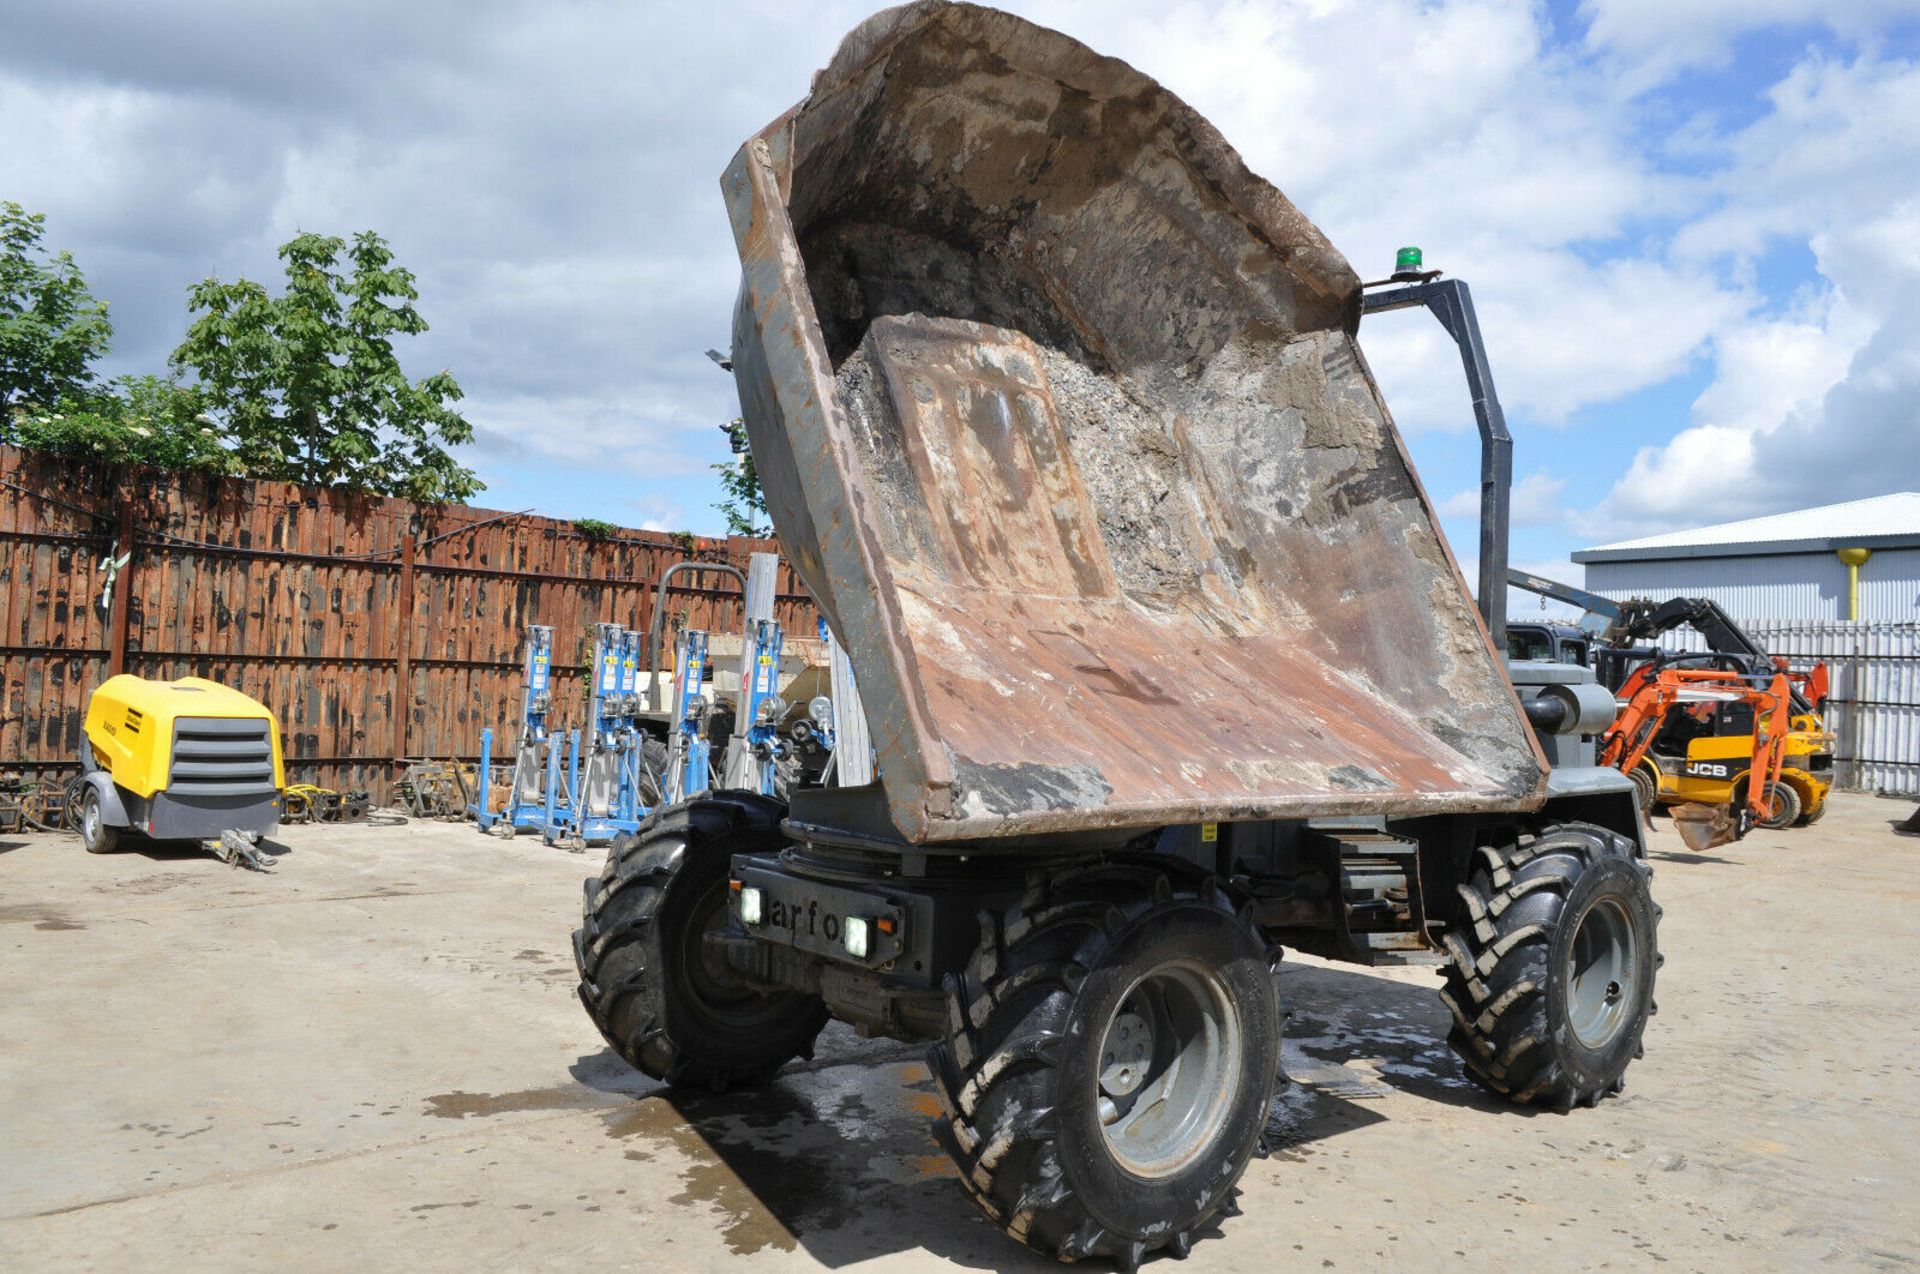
(1653,692)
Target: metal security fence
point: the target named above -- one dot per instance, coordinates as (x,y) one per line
(375,629)
(1874,710)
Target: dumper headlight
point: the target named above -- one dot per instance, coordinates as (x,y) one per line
(856,937)
(750,899)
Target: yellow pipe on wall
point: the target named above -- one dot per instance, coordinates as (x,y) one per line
(1855,559)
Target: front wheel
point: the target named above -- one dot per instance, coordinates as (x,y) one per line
(1783,806)
(96,833)
(644,978)
(1646,788)
(1551,968)
(1112,1048)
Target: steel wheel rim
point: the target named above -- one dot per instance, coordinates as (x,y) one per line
(1161,1099)
(1602,961)
(90,820)
(720,1000)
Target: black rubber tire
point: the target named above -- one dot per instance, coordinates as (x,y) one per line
(1648,788)
(95,834)
(637,951)
(653,771)
(1781,798)
(1819,812)
(1510,964)
(1018,1072)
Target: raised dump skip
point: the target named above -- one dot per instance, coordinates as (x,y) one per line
(1059,414)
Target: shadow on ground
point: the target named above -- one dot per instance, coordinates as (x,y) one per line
(835,1156)
(173,851)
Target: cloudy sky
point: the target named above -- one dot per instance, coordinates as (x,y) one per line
(1692,226)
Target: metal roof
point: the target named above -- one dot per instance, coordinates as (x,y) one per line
(1882,521)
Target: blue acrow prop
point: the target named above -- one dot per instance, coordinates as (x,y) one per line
(533,800)
(689,759)
(606,795)
(634,771)
(765,707)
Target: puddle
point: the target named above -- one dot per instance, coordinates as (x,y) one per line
(462,1105)
(805,1158)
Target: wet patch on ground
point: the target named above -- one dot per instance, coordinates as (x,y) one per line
(464,1105)
(39,915)
(836,1157)
(157,883)
(1352,1041)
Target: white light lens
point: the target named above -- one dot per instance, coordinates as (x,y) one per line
(856,937)
(750,905)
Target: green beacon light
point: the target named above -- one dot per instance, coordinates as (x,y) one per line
(1407,263)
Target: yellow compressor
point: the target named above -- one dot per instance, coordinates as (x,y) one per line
(179,760)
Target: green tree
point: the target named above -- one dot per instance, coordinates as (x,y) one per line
(745,505)
(51,327)
(145,420)
(306,384)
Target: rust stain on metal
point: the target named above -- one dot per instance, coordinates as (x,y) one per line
(299,597)
(1060,415)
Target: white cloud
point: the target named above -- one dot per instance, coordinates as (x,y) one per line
(1655,39)
(1537,501)
(630,436)
(1822,402)
(1503,158)
(550,173)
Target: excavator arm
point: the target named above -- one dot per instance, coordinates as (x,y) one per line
(1623,623)
(1645,621)
(1655,690)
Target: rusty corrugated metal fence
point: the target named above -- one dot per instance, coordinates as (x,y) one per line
(376,629)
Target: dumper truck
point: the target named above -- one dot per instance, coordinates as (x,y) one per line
(1062,418)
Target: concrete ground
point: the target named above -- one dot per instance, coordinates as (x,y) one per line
(373,1058)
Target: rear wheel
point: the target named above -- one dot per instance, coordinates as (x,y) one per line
(1112,1049)
(1783,805)
(1551,971)
(640,951)
(95,833)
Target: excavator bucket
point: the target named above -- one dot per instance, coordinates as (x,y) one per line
(1059,413)
(1703,827)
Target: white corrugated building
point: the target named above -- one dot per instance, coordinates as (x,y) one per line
(1790,566)
(1839,584)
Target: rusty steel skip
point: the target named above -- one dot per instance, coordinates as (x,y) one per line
(1060,415)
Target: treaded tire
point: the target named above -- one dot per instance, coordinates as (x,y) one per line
(653,771)
(1648,788)
(95,834)
(1509,976)
(1784,803)
(638,951)
(1020,1072)
(1819,812)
